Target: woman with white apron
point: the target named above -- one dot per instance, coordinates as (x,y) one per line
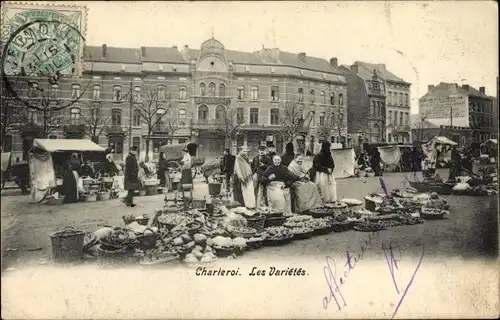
(322,174)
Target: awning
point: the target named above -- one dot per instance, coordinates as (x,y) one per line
(61,145)
(444,140)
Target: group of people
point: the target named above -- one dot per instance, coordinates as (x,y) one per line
(282,182)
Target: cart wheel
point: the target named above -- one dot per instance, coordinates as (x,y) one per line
(174,165)
(194,172)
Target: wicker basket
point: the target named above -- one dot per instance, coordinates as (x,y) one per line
(258,223)
(322,231)
(214,188)
(278,242)
(103,195)
(199,203)
(302,236)
(142,221)
(89,197)
(68,244)
(142,193)
(370,174)
(274,222)
(107,179)
(151,190)
(254,245)
(54,201)
(112,253)
(127,220)
(224,252)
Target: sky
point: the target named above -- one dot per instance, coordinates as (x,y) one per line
(422,42)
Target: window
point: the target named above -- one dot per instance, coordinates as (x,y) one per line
(312,96)
(400,99)
(137,93)
(341,99)
(322,119)
(275,116)
(240,115)
(395,117)
(222,90)
(136,142)
(301,95)
(7,143)
(54,91)
(32,116)
(254,116)
(407,118)
(116,145)
(136,119)
(161,92)
(312,117)
(116,117)
(275,93)
(160,114)
(202,113)
(75,115)
(211,89)
(389,96)
(389,137)
(394,98)
(202,89)
(96,93)
(241,92)
(117,93)
(322,97)
(254,93)
(389,117)
(53,137)
(182,113)
(341,118)
(75,91)
(333,119)
(401,115)
(406,100)
(220,113)
(182,93)
(374,108)
(332,98)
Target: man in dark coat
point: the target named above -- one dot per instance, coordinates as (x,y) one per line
(271,152)
(228,167)
(375,162)
(131,181)
(259,165)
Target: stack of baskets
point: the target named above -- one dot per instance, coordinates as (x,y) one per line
(274,219)
(67,245)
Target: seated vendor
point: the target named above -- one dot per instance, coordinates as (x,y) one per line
(109,168)
(305,192)
(277,179)
(87,170)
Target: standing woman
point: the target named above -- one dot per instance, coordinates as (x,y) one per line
(70,180)
(163,172)
(289,155)
(322,173)
(243,189)
(187,162)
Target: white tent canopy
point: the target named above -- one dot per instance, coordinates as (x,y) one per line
(62,145)
(444,140)
(490,142)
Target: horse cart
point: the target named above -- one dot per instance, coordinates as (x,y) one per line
(174,154)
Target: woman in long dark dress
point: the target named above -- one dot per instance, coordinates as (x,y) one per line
(289,155)
(70,180)
(322,174)
(161,169)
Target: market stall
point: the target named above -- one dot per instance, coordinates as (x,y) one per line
(47,163)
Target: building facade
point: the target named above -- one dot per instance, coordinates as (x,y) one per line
(197,88)
(462,113)
(379,103)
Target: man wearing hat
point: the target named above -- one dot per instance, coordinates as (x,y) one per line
(259,165)
(228,167)
(271,152)
(131,181)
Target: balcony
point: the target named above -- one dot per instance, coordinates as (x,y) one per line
(402,129)
(115,130)
(375,88)
(74,129)
(212,100)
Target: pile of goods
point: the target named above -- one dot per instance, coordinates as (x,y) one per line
(463,187)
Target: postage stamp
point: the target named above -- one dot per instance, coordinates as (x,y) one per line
(42,40)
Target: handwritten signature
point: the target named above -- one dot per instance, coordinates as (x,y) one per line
(330,271)
(392,254)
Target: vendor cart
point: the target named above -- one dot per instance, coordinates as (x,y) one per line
(174,155)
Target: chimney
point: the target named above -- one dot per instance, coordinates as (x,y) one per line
(482,90)
(174,47)
(381,66)
(334,62)
(143,51)
(354,68)
(430,87)
(186,47)
(302,56)
(465,86)
(104,51)
(275,53)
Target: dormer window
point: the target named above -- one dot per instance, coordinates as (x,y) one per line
(301,95)
(272,70)
(247,69)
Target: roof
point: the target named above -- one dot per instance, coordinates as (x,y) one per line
(184,55)
(61,145)
(365,71)
(452,88)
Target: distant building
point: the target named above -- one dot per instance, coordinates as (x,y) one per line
(378,103)
(200,85)
(462,113)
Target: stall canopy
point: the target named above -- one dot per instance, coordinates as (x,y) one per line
(62,145)
(444,140)
(490,143)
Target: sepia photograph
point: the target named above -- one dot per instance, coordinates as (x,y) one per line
(249,159)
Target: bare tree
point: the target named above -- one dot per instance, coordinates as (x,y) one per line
(94,122)
(228,123)
(10,111)
(419,127)
(152,106)
(293,120)
(326,127)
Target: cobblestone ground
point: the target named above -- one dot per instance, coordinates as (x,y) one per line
(469,232)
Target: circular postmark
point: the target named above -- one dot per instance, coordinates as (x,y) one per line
(40,49)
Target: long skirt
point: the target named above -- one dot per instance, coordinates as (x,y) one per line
(70,187)
(243,193)
(307,196)
(279,198)
(327,186)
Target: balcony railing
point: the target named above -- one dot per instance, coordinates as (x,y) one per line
(115,129)
(74,129)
